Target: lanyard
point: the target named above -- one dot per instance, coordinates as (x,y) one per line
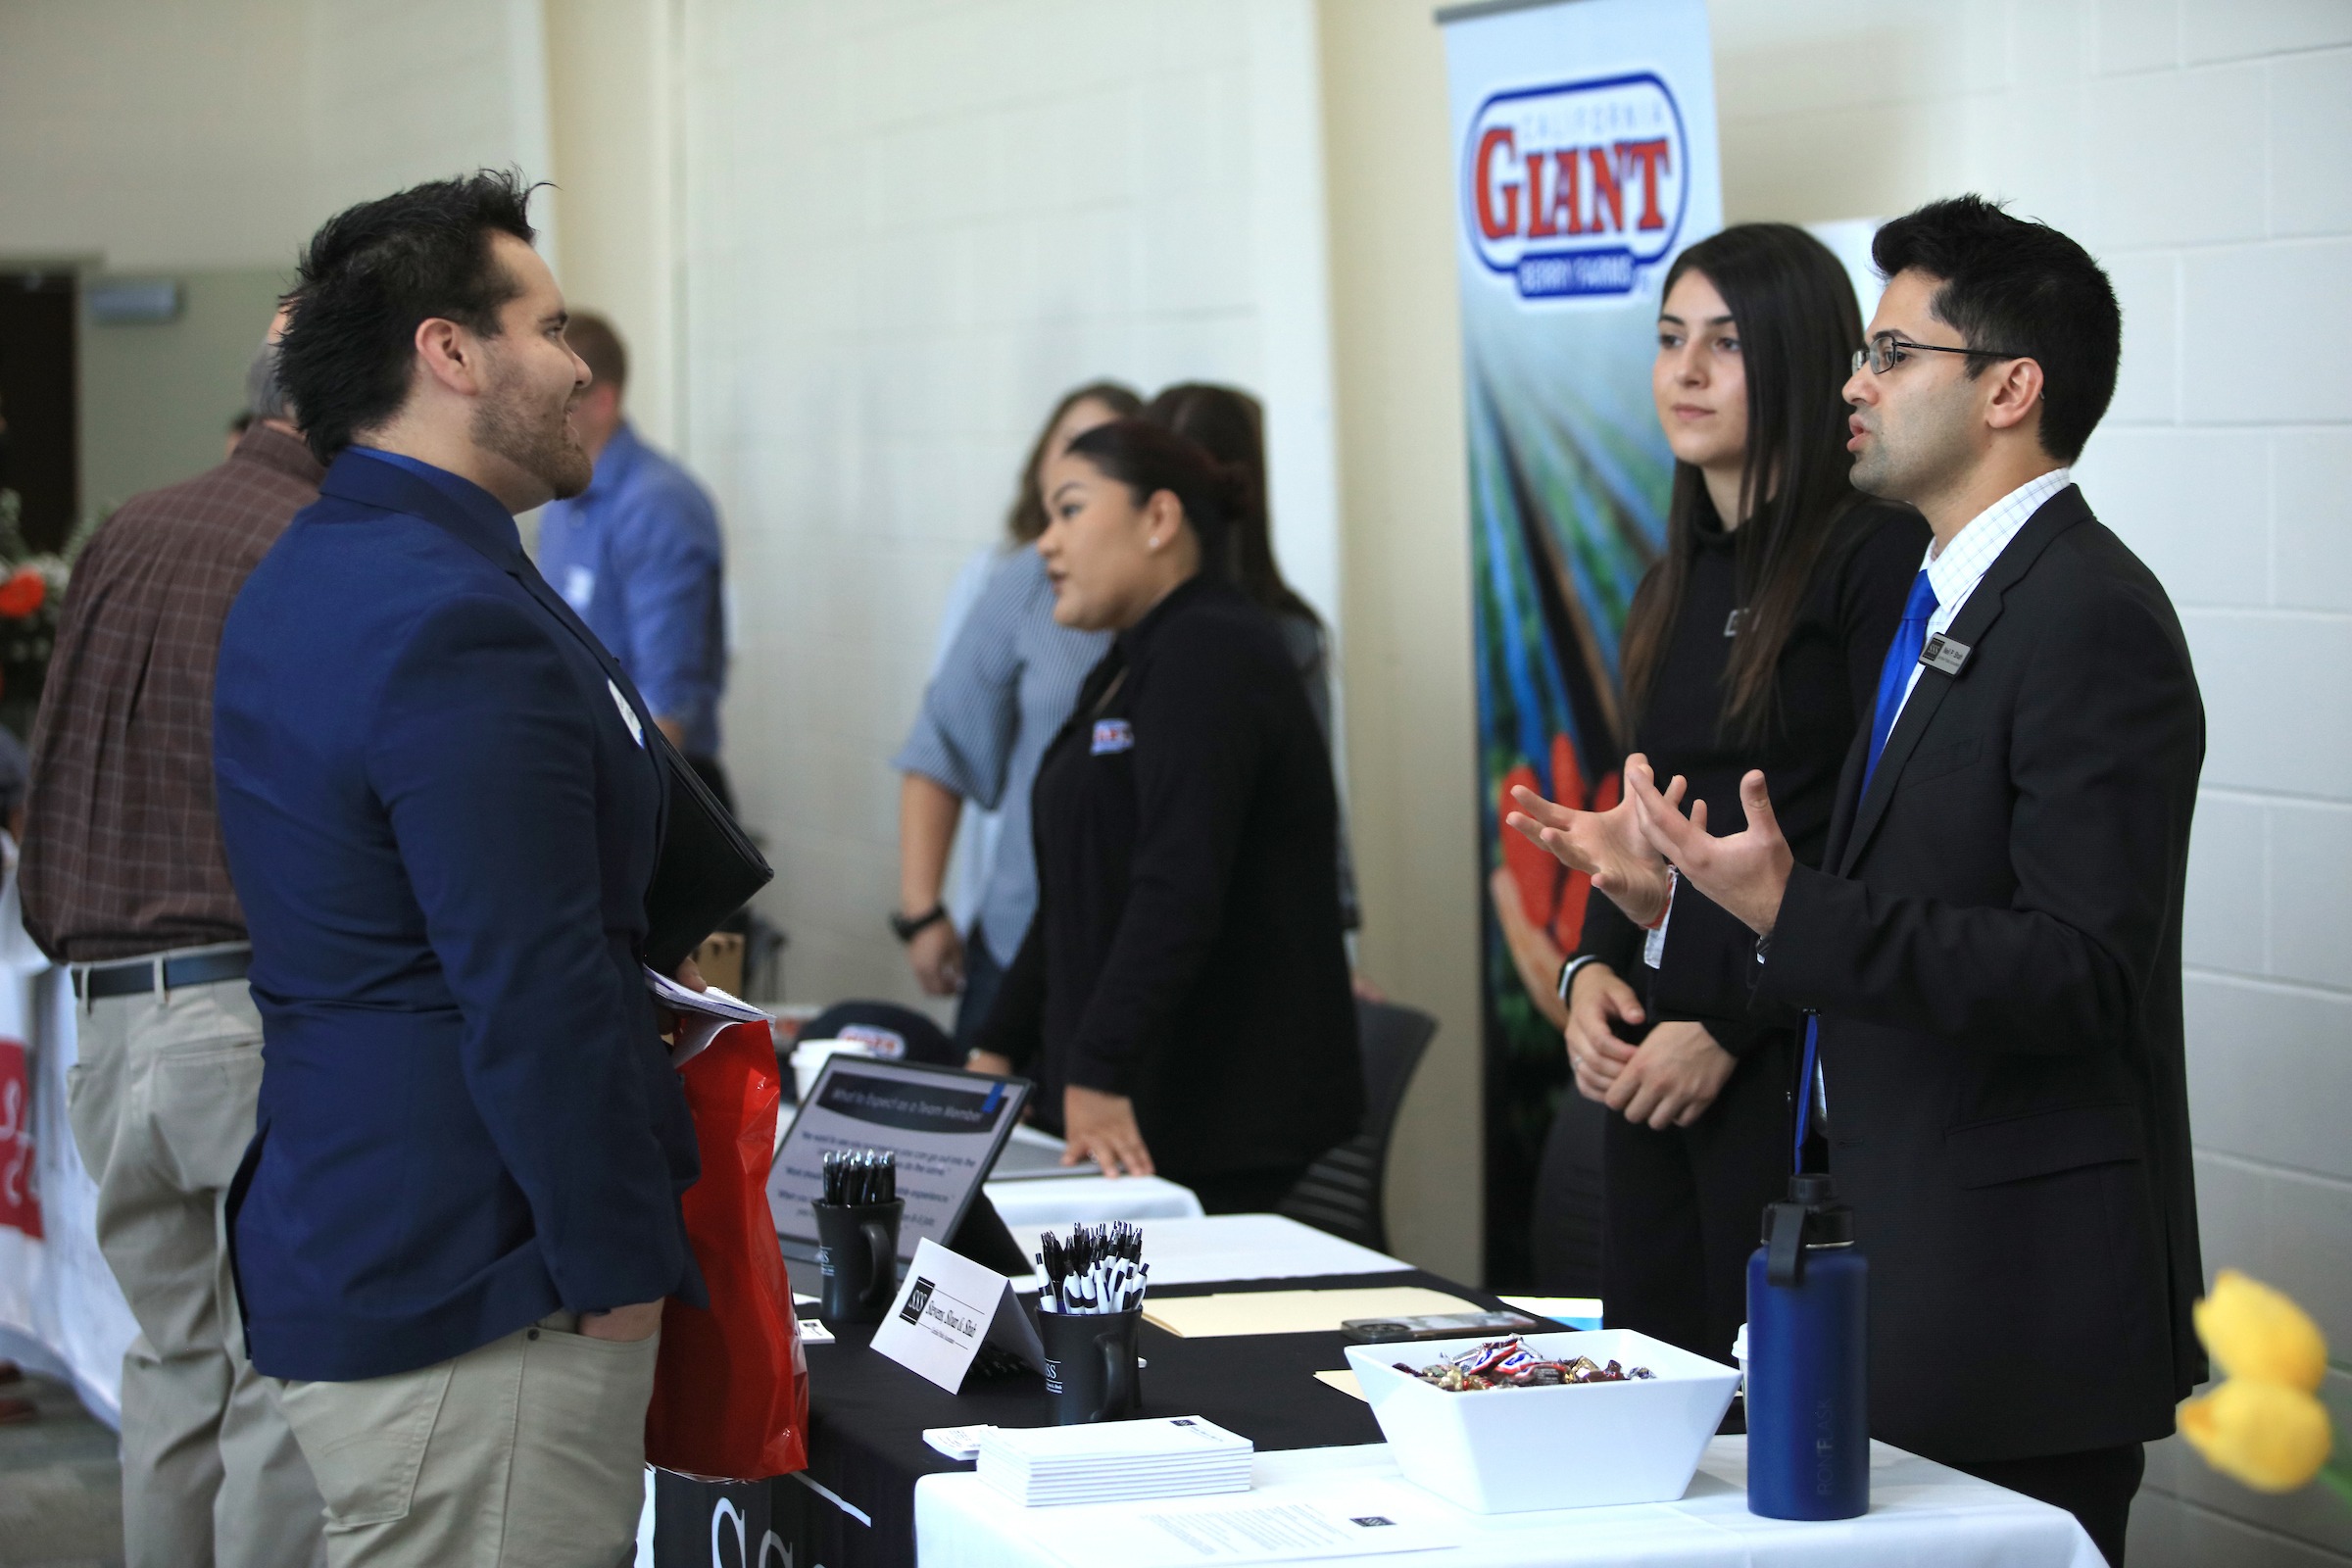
(1804,1090)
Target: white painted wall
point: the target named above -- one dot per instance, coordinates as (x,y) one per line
(153,136)
(206,143)
(148,137)
(613,102)
(910,227)
(1412,739)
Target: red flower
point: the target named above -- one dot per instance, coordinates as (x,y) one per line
(22,593)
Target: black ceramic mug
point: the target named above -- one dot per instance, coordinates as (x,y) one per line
(1092,1371)
(857,1253)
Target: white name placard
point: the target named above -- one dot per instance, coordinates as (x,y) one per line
(947,1307)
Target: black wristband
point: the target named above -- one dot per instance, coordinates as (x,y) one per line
(908,926)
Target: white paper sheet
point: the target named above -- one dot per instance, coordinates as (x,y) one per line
(1239,1527)
(703,1013)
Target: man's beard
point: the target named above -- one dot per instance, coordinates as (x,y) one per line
(538,441)
(1930,453)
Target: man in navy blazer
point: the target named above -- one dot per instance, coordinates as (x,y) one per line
(458,1216)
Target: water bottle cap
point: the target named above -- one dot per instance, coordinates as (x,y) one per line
(1828,1222)
(1813,1189)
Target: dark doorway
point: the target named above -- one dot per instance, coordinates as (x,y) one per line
(40,451)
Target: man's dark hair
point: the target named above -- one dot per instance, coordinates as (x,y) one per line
(599,347)
(2019,288)
(374,271)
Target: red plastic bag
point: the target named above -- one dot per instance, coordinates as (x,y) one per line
(731,1387)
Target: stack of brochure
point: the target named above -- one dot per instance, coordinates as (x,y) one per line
(1175,1456)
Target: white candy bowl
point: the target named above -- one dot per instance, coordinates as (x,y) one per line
(1577,1445)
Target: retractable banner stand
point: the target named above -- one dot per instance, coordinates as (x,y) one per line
(1584,142)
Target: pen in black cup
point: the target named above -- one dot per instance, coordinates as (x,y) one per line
(1098,1269)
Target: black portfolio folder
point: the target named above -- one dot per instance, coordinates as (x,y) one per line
(708,868)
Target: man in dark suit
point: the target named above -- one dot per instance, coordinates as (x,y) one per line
(458,1216)
(1989,959)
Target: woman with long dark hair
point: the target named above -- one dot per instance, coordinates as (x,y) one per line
(1230,425)
(1753,641)
(1182,999)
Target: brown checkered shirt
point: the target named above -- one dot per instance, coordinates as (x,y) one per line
(121,846)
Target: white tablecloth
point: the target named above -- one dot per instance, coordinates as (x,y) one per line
(1921,1516)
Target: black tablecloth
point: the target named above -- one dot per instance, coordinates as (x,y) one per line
(868,1414)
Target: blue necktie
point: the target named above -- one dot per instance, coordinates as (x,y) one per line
(1895,681)
(1894,675)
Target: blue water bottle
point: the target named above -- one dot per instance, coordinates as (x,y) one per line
(1808,1374)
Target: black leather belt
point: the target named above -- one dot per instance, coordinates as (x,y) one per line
(134,976)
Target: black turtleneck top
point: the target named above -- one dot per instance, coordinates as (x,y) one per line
(1822,691)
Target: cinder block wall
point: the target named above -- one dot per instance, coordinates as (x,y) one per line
(909,227)
(2197,147)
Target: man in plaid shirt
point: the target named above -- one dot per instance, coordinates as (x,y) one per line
(125,880)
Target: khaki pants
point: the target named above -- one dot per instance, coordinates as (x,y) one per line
(527,1452)
(161,1101)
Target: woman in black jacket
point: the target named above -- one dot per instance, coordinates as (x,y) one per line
(1753,641)
(1183,996)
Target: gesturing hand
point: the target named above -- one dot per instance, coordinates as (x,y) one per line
(1607,845)
(1103,1127)
(1746,873)
(1673,1078)
(1596,1055)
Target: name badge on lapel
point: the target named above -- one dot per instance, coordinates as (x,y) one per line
(629,715)
(1941,653)
(1113,735)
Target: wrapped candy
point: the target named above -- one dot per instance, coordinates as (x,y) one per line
(1513,1363)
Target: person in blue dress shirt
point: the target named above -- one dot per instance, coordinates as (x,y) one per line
(458,1219)
(638,557)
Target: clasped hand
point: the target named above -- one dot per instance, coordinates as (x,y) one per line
(1668,1080)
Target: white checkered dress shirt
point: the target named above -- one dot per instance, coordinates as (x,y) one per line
(1955,570)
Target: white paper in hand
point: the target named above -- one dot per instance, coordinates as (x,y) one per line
(702,1014)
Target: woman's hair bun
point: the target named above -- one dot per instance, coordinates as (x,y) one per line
(1149,458)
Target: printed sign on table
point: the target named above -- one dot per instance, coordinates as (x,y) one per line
(947,1307)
